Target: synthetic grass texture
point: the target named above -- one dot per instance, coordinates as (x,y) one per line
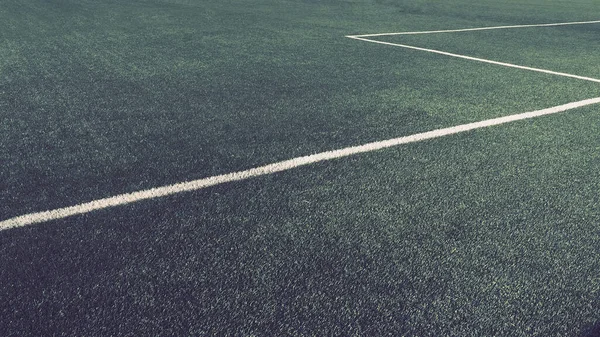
(103,98)
(491,233)
(488,233)
(569,49)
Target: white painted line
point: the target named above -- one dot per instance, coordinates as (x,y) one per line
(194,185)
(480,28)
(479,59)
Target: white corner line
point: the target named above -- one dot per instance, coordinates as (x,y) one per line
(510,65)
(480,28)
(128,198)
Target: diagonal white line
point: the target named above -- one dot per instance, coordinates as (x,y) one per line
(510,65)
(480,28)
(194,185)
(128,198)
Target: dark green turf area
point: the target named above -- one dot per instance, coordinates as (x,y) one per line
(489,233)
(569,49)
(102,97)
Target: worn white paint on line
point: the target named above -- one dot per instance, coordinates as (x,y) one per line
(480,28)
(510,65)
(194,185)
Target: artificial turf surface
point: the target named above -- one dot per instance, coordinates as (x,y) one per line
(493,232)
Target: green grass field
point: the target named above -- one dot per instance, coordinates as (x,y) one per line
(492,232)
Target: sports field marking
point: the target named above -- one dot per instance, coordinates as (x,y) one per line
(477,59)
(480,28)
(194,185)
(510,65)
